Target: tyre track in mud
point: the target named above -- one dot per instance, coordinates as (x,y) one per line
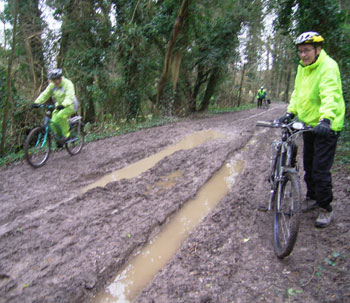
(64,247)
(230,257)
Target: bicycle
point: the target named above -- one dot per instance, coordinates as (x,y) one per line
(37,146)
(285,194)
(267,103)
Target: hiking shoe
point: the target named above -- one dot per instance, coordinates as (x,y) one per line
(308,204)
(324,218)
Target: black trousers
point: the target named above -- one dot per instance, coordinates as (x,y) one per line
(318,159)
(260,102)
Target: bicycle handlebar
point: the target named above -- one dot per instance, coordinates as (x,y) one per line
(34,105)
(296,125)
(268,124)
(47,106)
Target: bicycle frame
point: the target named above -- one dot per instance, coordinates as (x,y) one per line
(47,124)
(282,156)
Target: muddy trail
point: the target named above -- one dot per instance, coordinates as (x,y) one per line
(77,229)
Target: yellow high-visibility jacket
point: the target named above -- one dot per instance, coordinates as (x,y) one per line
(318,93)
(64,94)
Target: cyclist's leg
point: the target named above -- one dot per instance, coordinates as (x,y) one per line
(324,151)
(61,119)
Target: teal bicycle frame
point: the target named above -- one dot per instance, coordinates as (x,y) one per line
(47,124)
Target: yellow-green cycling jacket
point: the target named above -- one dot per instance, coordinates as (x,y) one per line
(318,93)
(64,94)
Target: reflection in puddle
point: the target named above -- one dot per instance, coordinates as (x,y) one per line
(141,270)
(143,165)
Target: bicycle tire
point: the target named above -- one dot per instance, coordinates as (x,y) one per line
(77,138)
(287,209)
(37,147)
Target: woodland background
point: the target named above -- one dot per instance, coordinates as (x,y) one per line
(143,61)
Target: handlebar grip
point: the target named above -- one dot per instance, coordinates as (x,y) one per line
(266,124)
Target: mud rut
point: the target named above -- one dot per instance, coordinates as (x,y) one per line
(59,245)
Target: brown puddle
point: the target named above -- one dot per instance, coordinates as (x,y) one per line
(137,168)
(143,267)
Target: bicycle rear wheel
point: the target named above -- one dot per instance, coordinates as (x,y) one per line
(77,136)
(287,209)
(37,147)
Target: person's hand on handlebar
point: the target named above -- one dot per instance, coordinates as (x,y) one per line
(286,118)
(60,107)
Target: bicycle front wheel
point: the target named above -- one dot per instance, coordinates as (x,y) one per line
(77,136)
(37,147)
(287,209)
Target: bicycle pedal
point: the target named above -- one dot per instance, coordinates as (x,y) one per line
(262,208)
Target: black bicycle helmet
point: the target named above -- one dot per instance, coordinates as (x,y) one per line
(55,73)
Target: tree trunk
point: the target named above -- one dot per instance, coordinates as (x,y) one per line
(173,37)
(88,105)
(9,76)
(213,80)
(65,33)
(289,73)
(30,27)
(240,86)
(199,82)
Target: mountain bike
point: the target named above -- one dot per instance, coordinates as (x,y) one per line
(37,146)
(285,194)
(267,103)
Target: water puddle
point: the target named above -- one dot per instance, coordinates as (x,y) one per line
(143,267)
(143,165)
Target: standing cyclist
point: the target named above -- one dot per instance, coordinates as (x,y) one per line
(261,96)
(62,90)
(317,100)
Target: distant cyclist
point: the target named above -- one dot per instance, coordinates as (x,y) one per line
(318,101)
(62,91)
(261,96)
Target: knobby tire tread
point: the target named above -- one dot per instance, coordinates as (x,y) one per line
(33,133)
(82,134)
(282,252)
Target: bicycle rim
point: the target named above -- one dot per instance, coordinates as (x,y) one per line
(75,144)
(37,147)
(286,215)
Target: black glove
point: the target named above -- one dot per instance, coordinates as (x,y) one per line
(60,107)
(286,118)
(323,128)
(34,105)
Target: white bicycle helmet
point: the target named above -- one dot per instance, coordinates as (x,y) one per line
(309,37)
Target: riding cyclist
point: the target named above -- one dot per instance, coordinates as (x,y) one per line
(261,96)
(62,90)
(317,100)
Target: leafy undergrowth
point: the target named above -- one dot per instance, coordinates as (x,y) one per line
(109,129)
(216,110)
(104,130)
(342,158)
